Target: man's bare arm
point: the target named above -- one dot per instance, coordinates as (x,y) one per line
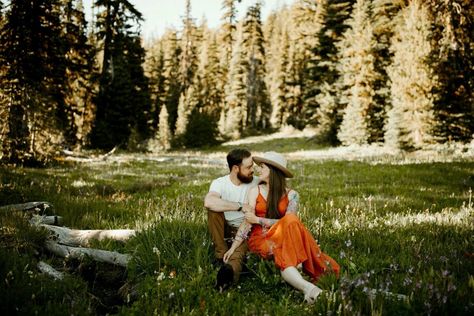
(213,202)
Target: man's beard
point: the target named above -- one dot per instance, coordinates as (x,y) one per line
(244,179)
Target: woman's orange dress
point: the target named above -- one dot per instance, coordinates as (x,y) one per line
(289,242)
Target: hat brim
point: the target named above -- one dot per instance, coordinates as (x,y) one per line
(285,171)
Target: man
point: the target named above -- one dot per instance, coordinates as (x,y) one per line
(226,204)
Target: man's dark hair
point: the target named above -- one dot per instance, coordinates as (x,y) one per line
(235,157)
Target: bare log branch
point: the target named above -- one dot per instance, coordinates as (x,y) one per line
(48,220)
(96,254)
(49,270)
(75,237)
(70,156)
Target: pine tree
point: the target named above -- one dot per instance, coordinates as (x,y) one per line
(33,52)
(123,99)
(356,51)
(3,100)
(227,39)
(171,82)
(232,119)
(187,103)
(164,129)
(453,25)
(276,75)
(256,110)
(322,108)
(228,29)
(411,120)
(384,18)
(306,20)
(207,75)
(153,67)
(188,50)
(80,74)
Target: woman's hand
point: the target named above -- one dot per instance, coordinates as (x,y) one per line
(228,254)
(251,218)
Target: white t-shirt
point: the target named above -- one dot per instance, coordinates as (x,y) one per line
(233,193)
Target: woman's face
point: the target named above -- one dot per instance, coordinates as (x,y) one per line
(264,172)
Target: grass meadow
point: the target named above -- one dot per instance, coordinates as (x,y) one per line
(402,231)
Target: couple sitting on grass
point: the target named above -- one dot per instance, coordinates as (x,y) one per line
(260,214)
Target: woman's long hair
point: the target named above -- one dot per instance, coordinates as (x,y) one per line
(277,189)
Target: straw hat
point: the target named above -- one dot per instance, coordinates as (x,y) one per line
(276,160)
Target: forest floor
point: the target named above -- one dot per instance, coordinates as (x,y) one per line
(400,225)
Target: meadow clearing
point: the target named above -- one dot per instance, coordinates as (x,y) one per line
(400,225)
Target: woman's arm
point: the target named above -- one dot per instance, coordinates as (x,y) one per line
(293,201)
(245,227)
(241,235)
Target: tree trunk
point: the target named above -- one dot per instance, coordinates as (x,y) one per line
(75,237)
(96,254)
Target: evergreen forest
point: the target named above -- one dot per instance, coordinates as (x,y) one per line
(397,72)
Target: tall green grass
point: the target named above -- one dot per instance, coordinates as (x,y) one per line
(396,229)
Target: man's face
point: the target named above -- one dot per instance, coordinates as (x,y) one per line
(245,174)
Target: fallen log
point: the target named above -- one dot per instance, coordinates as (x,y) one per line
(26,207)
(48,220)
(76,237)
(49,270)
(70,156)
(96,254)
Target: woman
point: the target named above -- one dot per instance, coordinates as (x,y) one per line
(275,229)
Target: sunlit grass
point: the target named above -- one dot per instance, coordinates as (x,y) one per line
(402,233)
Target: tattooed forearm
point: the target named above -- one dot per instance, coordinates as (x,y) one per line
(243,231)
(294,200)
(266,222)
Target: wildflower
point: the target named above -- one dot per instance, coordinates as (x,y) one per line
(182,290)
(342,254)
(407,281)
(156,251)
(348,243)
(359,282)
(161,277)
(171,295)
(394,266)
(445,273)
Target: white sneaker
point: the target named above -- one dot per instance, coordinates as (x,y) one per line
(311,295)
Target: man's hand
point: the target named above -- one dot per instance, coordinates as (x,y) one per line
(246,208)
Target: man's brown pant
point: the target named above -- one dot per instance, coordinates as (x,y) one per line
(219,231)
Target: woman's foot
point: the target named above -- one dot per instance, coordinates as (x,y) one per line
(312,294)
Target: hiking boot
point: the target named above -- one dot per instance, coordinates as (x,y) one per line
(217,263)
(225,277)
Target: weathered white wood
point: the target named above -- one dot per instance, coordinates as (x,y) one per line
(30,206)
(96,254)
(48,220)
(80,158)
(49,270)
(75,237)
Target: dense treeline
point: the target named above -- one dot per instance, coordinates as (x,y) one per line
(398,72)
